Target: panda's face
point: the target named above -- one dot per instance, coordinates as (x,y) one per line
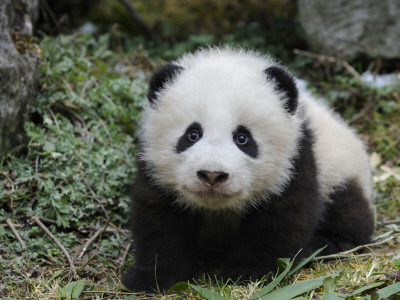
(219,135)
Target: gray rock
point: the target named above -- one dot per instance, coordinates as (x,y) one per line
(351,28)
(18,72)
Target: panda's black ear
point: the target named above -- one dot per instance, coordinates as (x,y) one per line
(160,78)
(285,85)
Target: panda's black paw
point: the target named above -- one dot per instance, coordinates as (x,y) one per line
(139,281)
(143,280)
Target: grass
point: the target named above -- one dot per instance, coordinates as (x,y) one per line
(78,161)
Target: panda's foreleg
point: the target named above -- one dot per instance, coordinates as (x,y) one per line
(163,240)
(164,251)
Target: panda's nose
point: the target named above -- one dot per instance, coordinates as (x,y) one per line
(212,178)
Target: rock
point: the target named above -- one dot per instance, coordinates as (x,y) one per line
(352,28)
(18,73)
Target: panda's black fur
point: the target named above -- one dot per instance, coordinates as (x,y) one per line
(174,243)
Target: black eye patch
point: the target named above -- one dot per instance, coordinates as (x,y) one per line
(244,141)
(192,135)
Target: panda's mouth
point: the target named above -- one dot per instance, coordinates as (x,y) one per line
(212,198)
(213,194)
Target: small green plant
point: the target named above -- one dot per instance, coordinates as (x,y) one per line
(79,158)
(72,291)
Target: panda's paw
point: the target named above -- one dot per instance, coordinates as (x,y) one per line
(143,280)
(139,280)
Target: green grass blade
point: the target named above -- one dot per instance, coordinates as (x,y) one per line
(76,293)
(329,285)
(389,290)
(333,296)
(275,282)
(179,286)
(365,288)
(272,284)
(296,289)
(306,260)
(207,294)
(56,274)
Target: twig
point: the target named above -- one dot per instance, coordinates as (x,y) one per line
(37,164)
(320,57)
(124,256)
(121,231)
(15,225)
(48,221)
(98,243)
(388,222)
(44,228)
(350,69)
(367,107)
(8,178)
(330,59)
(94,196)
(91,240)
(85,229)
(85,86)
(104,124)
(368,245)
(349,252)
(91,191)
(15,232)
(138,19)
(108,293)
(343,256)
(54,118)
(53,17)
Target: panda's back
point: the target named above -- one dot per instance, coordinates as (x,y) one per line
(340,154)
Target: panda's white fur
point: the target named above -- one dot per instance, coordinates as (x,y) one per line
(237,92)
(340,154)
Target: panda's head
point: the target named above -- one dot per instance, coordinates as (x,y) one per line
(221,129)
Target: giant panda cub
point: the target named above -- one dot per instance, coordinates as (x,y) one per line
(236,168)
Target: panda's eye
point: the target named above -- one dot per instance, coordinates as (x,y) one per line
(244,140)
(241,139)
(194,136)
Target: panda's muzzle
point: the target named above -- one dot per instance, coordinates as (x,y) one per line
(212,178)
